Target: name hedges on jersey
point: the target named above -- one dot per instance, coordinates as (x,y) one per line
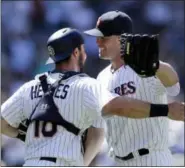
(60,92)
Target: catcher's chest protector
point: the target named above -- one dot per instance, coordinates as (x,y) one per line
(47,111)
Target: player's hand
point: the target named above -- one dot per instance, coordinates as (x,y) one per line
(141,53)
(176,111)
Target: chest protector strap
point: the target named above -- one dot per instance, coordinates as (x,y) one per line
(46,109)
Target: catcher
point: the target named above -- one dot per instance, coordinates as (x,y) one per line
(135,71)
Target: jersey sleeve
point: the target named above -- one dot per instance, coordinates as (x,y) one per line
(96,97)
(99,123)
(152,90)
(98,77)
(12,109)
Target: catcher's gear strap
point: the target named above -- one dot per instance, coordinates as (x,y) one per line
(50,112)
(21,136)
(22,129)
(83,140)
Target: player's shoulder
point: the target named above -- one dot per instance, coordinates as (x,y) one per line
(130,70)
(32,82)
(28,84)
(136,76)
(104,72)
(87,80)
(23,89)
(88,84)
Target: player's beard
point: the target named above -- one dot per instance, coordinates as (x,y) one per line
(81,63)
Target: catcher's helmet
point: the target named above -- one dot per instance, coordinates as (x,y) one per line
(62,43)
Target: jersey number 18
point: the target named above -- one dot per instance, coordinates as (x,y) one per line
(46,129)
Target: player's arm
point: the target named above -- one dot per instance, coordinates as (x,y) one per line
(94,141)
(97,98)
(13,132)
(133,108)
(7,129)
(12,114)
(169,78)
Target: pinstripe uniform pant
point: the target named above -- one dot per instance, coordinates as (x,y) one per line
(59,162)
(154,158)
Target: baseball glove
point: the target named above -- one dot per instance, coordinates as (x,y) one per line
(141,53)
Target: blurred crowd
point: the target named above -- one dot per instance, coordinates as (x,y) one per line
(26,26)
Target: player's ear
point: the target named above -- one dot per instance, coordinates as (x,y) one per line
(76,52)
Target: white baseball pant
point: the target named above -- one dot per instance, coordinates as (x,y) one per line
(59,162)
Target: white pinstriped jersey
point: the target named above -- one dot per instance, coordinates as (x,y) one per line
(128,135)
(80,103)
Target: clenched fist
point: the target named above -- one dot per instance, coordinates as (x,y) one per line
(176,111)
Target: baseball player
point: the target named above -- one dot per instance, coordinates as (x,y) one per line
(134,142)
(60,105)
